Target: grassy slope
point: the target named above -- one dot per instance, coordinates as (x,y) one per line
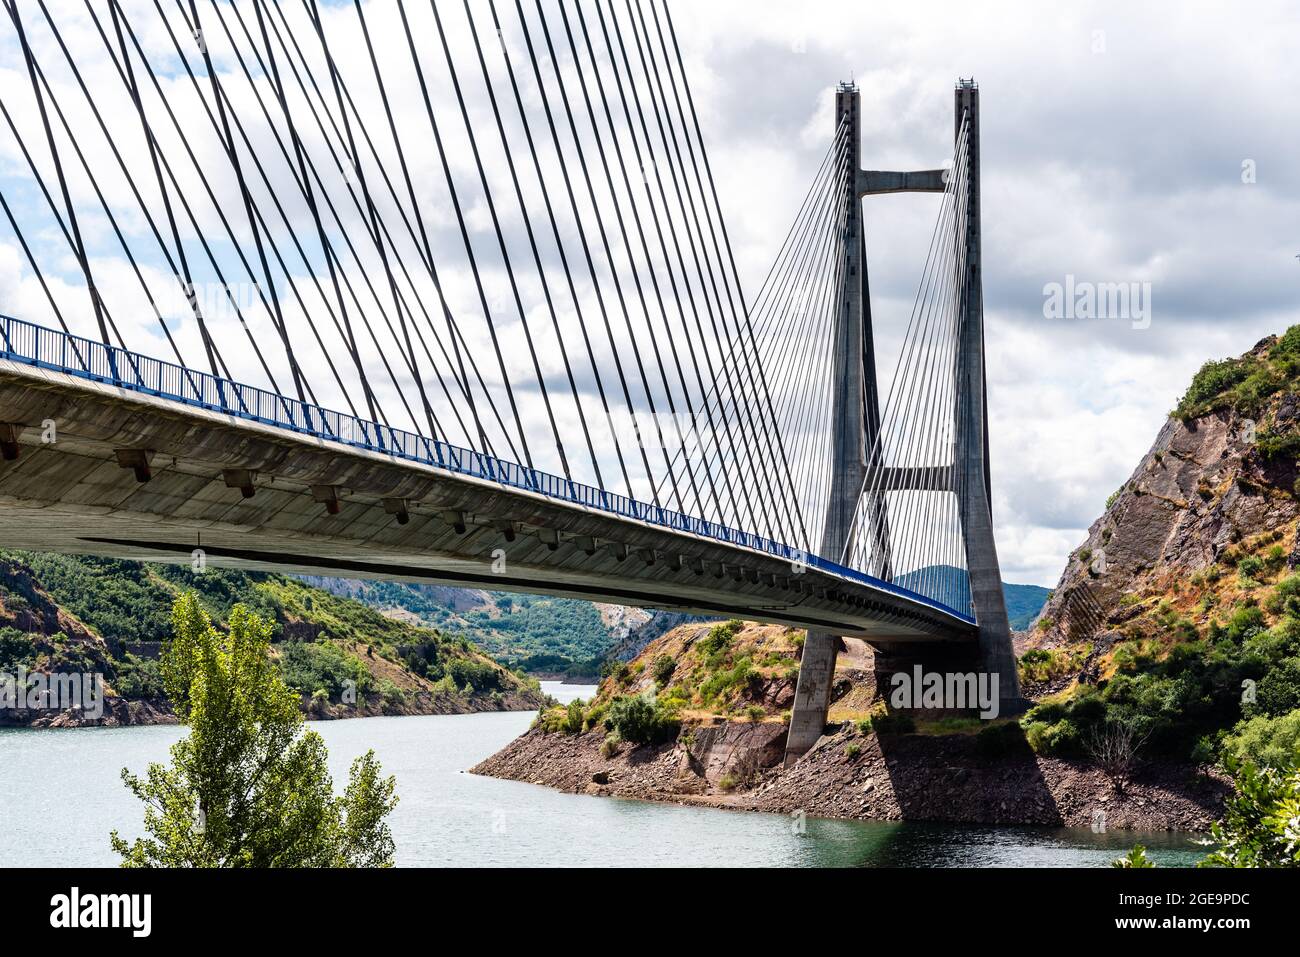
(524,631)
(73,613)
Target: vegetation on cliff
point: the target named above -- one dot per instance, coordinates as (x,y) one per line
(696,672)
(76,614)
(1244,385)
(1179,617)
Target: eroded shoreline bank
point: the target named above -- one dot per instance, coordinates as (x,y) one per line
(857,776)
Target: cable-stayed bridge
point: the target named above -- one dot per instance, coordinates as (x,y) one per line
(445,293)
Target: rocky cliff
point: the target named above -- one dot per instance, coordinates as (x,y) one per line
(1206,522)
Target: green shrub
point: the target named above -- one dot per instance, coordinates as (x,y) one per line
(720,683)
(897,723)
(138,678)
(1287,345)
(574,717)
(1268,742)
(662,670)
(717,641)
(479,676)
(1060,738)
(851,751)
(1136,858)
(595,716)
(1278,691)
(16,648)
(1248,571)
(307,666)
(1000,740)
(1246,622)
(639,720)
(1043,664)
(1259,823)
(1132,655)
(1210,385)
(561,719)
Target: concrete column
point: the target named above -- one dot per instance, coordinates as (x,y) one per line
(974,481)
(813,694)
(853,363)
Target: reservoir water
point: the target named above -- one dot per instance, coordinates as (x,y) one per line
(61,794)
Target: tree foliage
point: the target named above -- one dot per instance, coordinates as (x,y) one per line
(1261,823)
(248,787)
(639,719)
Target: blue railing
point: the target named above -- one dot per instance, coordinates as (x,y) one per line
(87,359)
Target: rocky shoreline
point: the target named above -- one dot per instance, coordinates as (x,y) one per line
(850,775)
(120,712)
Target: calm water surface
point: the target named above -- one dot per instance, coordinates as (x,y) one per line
(60,795)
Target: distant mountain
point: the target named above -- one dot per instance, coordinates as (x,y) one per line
(567,636)
(950,585)
(1024,602)
(537,634)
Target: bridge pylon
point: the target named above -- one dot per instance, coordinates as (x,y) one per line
(856,418)
(857,423)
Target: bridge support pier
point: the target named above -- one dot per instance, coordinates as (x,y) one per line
(856,423)
(975,495)
(812,696)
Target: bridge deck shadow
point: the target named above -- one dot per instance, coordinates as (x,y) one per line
(935,778)
(954,777)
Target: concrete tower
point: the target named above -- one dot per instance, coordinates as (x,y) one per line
(857,422)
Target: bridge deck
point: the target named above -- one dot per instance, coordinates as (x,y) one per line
(472,519)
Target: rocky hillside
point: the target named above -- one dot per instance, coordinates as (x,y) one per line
(1180,612)
(62,614)
(1218,485)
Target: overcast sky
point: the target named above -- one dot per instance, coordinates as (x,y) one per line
(1121,143)
(1114,138)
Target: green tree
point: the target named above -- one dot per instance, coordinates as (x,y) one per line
(1136,858)
(639,719)
(1261,824)
(249,787)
